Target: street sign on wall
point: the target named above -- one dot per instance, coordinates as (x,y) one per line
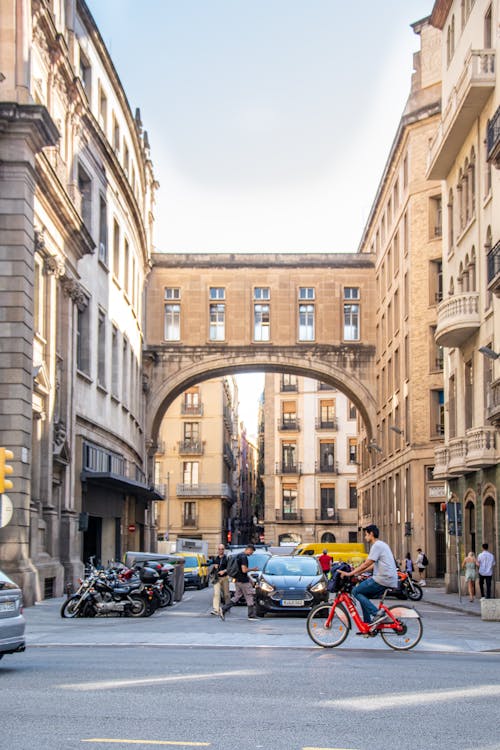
(6,510)
(454,512)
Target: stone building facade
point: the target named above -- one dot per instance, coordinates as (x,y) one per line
(397,488)
(77,193)
(464,155)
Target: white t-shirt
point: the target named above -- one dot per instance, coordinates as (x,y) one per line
(486,562)
(384,570)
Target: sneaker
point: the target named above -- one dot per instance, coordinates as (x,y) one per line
(252,617)
(214,612)
(378,619)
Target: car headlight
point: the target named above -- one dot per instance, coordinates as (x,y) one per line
(265,586)
(318,587)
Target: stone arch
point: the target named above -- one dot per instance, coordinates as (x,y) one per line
(328,537)
(489,521)
(167,379)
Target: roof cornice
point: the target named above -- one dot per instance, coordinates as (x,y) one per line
(440,13)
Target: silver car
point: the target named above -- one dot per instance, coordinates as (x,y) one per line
(12,622)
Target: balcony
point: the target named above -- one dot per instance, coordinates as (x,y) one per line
(191,447)
(493,261)
(441,462)
(289,425)
(289,517)
(481,448)
(323,467)
(458,318)
(326,515)
(326,424)
(222,491)
(493,140)
(228,456)
(192,410)
(493,404)
(457,458)
(464,105)
(288,468)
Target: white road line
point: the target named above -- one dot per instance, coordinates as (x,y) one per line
(381,702)
(148,742)
(112,684)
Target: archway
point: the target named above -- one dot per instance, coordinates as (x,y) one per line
(328,537)
(489,523)
(470,526)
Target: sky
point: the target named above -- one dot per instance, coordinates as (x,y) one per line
(270,121)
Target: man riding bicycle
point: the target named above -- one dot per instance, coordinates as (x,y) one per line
(385,575)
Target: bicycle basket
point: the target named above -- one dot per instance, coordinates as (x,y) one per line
(336,582)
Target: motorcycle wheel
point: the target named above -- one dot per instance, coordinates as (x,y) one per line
(166,598)
(137,608)
(70,607)
(415,593)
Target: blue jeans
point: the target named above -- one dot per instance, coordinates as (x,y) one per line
(364,591)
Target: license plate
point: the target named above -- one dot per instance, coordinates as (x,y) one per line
(292,602)
(7,606)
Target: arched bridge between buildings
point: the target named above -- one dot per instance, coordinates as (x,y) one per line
(186,281)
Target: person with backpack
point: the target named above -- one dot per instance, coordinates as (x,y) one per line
(421,562)
(237,568)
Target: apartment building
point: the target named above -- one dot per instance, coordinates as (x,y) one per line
(247,503)
(311,462)
(397,488)
(196,459)
(77,191)
(464,156)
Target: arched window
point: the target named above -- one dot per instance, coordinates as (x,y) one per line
(471,270)
(290,539)
(470,526)
(489,523)
(451,238)
(328,537)
(466,193)
(460,201)
(472,182)
(451,290)
(461,281)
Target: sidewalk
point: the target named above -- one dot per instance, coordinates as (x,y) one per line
(436,594)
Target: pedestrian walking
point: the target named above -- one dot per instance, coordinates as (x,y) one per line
(325,561)
(408,568)
(421,563)
(219,579)
(243,585)
(470,566)
(486,563)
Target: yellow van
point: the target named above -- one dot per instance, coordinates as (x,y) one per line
(353,553)
(195,569)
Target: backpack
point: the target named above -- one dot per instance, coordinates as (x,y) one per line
(233,566)
(425,561)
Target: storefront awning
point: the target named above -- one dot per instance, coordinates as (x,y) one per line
(119,483)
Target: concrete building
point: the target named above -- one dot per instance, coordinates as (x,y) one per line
(197,460)
(464,156)
(397,487)
(77,193)
(311,457)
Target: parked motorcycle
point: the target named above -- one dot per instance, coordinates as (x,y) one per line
(409,587)
(103,594)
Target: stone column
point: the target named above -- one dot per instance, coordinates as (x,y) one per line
(24,131)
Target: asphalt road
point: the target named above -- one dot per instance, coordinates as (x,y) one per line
(145,692)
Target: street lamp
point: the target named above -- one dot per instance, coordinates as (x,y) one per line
(489,352)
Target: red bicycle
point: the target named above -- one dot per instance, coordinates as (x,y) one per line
(328,625)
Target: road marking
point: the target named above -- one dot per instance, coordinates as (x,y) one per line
(414,699)
(327,748)
(111,684)
(149,742)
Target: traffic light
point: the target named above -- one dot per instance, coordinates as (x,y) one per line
(5,484)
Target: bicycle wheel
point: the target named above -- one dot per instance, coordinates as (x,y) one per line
(410,633)
(337,631)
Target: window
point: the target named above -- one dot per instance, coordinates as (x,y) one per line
(103,109)
(351,322)
(351,292)
(217,292)
(191,404)
(116,250)
(327,455)
(126,266)
(469,394)
(405,171)
(101,349)
(116,136)
(289,500)
(189,514)
(115,382)
(487,29)
(261,322)
(172,293)
(437,413)
(452,407)
(327,414)
(85,74)
(190,472)
(126,158)
(289,457)
(435,282)
(353,496)
(306,322)
(39,297)
(261,292)
(217,322)
(351,414)
(125,372)
(191,433)
(327,495)
(103,231)
(83,340)
(85,190)
(353,451)
(288,382)
(172,322)
(289,415)
(306,292)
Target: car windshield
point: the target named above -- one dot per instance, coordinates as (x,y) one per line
(191,562)
(257,560)
(292,566)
